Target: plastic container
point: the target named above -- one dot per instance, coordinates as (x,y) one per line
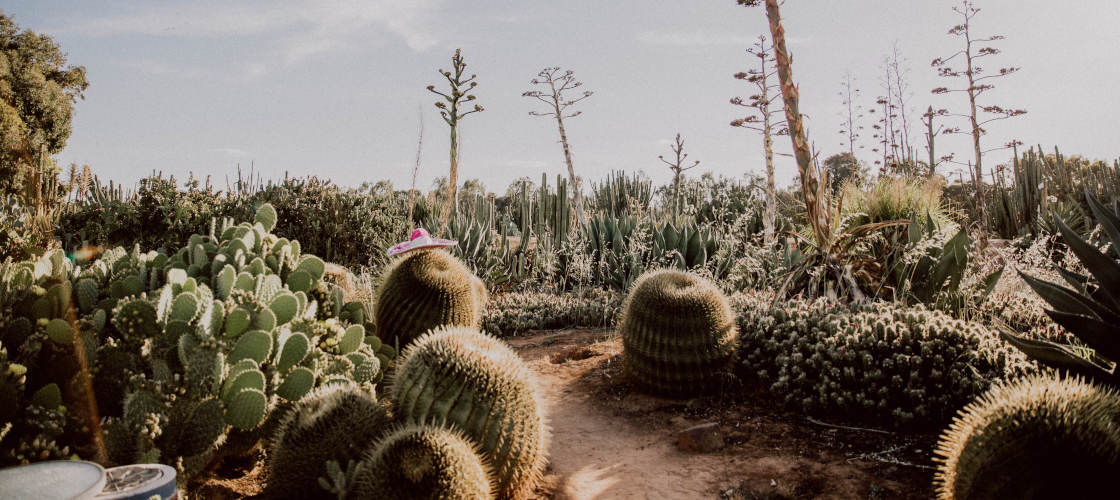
(54,480)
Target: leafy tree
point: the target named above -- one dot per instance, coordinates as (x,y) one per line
(760,120)
(977,81)
(449,110)
(37,94)
(841,168)
(554,98)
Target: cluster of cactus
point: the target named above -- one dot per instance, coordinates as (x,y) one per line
(881,363)
(38,362)
(486,253)
(678,334)
(516,312)
(620,251)
(335,422)
(423,462)
(424,289)
(191,352)
(476,384)
(465,424)
(1038,437)
(619,195)
(1040,186)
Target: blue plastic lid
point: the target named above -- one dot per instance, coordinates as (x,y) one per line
(140,482)
(55,480)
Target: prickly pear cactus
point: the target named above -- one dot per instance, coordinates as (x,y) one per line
(476,384)
(1038,437)
(422,462)
(678,333)
(335,422)
(425,289)
(189,352)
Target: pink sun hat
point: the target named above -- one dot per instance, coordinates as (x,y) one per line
(420,239)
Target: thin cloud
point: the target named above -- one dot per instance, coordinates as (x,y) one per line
(305,28)
(704,39)
(240,153)
(255,70)
(169,70)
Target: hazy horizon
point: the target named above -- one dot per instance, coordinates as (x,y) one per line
(337,88)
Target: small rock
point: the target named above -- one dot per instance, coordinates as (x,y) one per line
(701,438)
(678,421)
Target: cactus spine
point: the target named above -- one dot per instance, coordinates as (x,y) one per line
(335,422)
(474,383)
(422,462)
(678,333)
(1039,437)
(422,290)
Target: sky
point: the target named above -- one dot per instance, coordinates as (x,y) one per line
(337,88)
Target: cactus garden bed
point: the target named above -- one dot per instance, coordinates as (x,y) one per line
(611,441)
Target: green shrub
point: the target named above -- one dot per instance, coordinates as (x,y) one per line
(345,226)
(1038,437)
(877,362)
(513,313)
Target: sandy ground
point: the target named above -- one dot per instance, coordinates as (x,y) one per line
(610,441)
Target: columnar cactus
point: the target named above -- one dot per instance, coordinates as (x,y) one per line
(1038,437)
(425,289)
(476,384)
(336,422)
(678,333)
(422,462)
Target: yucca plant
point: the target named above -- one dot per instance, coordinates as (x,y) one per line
(1089,307)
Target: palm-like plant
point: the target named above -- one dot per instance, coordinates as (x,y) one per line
(1089,307)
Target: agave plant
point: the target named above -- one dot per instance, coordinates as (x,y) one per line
(1089,307)
(838,263)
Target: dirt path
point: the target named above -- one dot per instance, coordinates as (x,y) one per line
(609,442)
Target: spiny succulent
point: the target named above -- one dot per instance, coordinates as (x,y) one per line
(191,352)
(515,312)
(881,363)
(678,333)
(1089,308)
(474,383)
(422,290)
(335,422)
(1038,437)
(422,462)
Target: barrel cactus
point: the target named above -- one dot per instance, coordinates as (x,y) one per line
(476,384)
(335,422)
(678,333)
(422,462)
(425,289)
(1039,437)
